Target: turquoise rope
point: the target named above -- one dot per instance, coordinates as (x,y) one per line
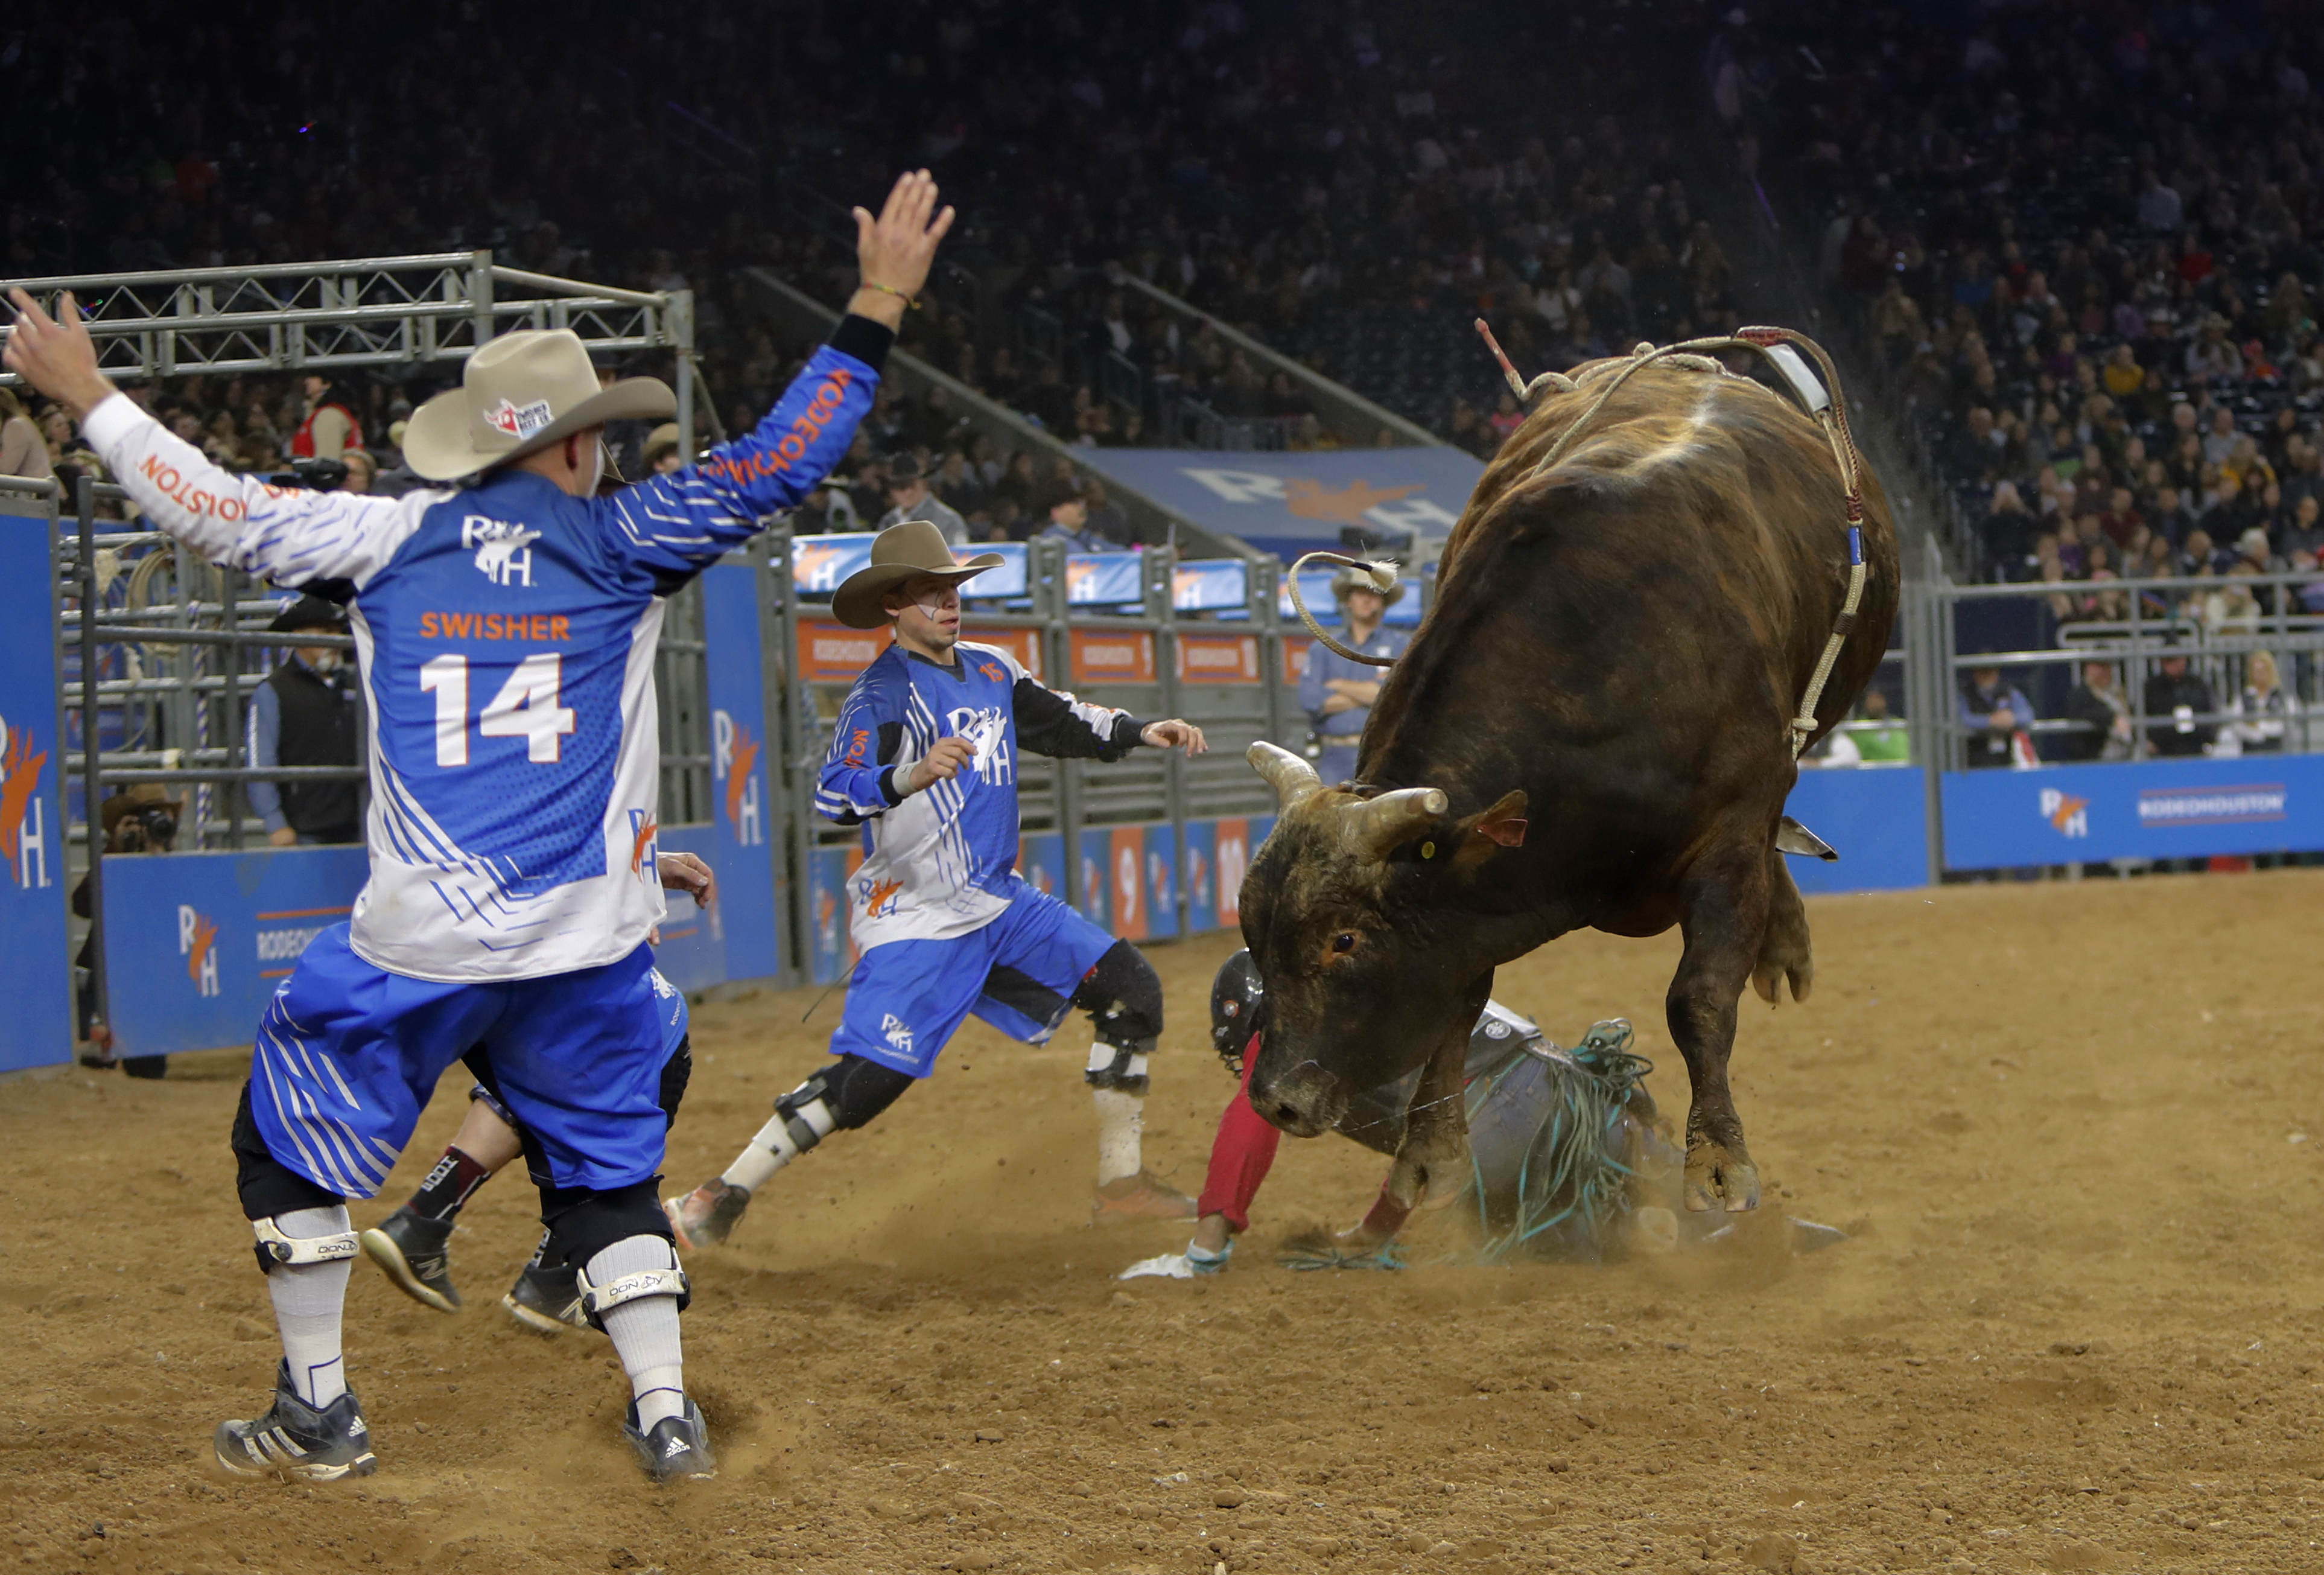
(1586,1111)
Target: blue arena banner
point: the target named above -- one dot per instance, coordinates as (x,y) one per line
(2151,809)
(1104,579)
(747,836)
(819,563)
(692,951)
(34,971)
(1875,817)
(1288,504)
(195,943)
(1210,585)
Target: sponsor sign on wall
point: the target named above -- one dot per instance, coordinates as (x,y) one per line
(196,943)
(35,971)
(1112,656)
(2153,809)
(831,653)
(745,843)
(1875,817)
(1218,658)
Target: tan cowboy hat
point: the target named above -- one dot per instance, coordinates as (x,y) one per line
(899,553)
(1349,580)
(520,393)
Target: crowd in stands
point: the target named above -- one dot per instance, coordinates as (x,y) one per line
(2082,247)
(1351,186)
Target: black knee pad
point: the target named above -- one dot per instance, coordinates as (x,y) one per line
(852,1088)
(267,1186)
(1123,997)
(583,1223)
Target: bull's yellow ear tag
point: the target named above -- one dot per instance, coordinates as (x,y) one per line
(1428,850)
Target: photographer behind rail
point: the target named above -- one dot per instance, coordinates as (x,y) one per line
(136,820)
(308,712)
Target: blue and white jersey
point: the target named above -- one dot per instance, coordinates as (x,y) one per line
(505,633)
(944,862)
(669,1011)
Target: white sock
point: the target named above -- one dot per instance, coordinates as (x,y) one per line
(644,1332)
(774,1147)
(1120,1127)
(308,1301)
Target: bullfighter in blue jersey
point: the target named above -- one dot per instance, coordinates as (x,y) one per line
(925,760)
(505,624)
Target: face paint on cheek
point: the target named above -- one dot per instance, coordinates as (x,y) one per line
(931,606)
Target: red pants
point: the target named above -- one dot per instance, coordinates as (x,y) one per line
(1240,1155)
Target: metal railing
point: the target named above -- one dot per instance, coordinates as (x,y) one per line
(370,311)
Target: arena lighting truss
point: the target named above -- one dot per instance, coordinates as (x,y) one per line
(373,311)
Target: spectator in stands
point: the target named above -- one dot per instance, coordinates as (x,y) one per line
(910,498)
(659,455)
(1873,738)
(2306,532)
(1107,520)
(1996,714)
(1068,522)
(23,451)
(2103,715)
(2263,715)
(328,429)
(308,712)
(362,470)
(2178,704)
(1338,694)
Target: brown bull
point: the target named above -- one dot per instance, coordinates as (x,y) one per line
(1590,729)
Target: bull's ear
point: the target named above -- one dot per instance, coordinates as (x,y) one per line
(1489,830)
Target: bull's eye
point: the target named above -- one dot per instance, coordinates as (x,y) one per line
(1344,941)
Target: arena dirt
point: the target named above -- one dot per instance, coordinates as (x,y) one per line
(2076,1130)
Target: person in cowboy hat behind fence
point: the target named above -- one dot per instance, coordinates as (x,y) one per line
(1337,694)
(925,759)
(505,621)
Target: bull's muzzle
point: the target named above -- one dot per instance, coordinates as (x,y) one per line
(1303,1099)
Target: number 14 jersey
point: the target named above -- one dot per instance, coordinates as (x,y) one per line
(506,636)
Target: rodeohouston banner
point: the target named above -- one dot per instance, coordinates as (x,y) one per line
(1130,880)
(34,971)
(1293,503)
(2153,808)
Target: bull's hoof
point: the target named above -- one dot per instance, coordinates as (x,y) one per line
(1768,980)
(1721,1178)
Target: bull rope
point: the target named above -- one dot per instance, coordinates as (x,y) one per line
(1824,402)
(1571,1171)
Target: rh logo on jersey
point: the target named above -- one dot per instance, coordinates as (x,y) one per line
(734,761)
(988,730)
(503,548)
(879,897)
(198,944)
(645,852)
(24,826)
(899,1036)
(2063,810)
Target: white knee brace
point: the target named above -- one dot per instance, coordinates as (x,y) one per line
(596,1300)
(276,1247)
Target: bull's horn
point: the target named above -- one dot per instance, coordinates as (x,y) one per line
(1389,819)
(1292,778)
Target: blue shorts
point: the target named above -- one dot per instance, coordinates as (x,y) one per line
(348,1054)
(906,999)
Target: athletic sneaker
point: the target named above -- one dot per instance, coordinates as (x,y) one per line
(708,1215)
(1144,1196)
(1191,1264)
(417,1254)
(295,1439)
(546,1300)
(676,1447)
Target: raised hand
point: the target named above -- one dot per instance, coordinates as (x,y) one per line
(895,250)
(56,355)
